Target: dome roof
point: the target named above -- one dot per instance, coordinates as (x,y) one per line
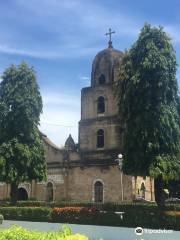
(108,53)
(104,64)
(70,144)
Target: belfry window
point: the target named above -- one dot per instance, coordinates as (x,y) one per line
(100,105)
(102,79)
(100,138)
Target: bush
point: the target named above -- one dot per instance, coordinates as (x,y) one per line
(1,218)
(26,213)
(151,219)
(30,203)
(17,233)
(82,215)
(112,206)
(144,216)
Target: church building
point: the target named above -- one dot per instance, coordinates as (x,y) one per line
(88,171)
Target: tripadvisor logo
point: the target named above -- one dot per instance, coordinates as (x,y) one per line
(138,231)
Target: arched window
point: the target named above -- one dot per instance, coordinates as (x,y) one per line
(100,138)
(100,105)
(102,79)
(49,192)
(98,191)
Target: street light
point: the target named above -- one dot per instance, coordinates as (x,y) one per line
(120,164)
(120,156)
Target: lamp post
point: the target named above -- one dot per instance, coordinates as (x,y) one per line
(120,163)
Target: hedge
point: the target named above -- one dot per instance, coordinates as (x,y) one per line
(102,206)
(79,215)
(148,218)
(131,217)
(40,214)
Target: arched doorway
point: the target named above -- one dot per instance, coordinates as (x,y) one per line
(98,191)
(22,194)
(49,192)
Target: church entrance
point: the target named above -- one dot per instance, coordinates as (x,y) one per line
(49,192)
(22,194)
(98,191)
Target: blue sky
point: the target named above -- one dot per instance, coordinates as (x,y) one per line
(60,39)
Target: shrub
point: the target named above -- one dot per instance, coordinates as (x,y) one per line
(31,203)
(74,215)
(83,210)
(1,218)
(111,206)
(26,213)
(144,216)
(17,233)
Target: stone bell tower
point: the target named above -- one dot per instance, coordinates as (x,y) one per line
(99,127)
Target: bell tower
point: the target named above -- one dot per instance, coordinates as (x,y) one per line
(99,127)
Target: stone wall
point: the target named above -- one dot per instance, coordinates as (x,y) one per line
(77,184)
(89,98)
(4,191)
(82,180)
(149,187)
(53,154)
(88,134)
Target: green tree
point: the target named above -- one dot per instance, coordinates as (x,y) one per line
(174,188)
(149,104)
(21,149)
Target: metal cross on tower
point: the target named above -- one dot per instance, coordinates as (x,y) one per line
(110,33)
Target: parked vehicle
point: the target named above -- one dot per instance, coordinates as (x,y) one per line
(141,199)
(172,200)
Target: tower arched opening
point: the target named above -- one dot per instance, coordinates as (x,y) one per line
(100,105)
(100,138)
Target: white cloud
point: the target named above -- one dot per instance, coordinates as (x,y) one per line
(61,114)
(52,97)
(73,23)
(45,54)
(1,73)
(48,7)
(85,78)
(174,33)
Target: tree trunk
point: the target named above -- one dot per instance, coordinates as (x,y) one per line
(14,193)
(159,193)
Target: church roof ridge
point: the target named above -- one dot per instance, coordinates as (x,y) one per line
(49,142)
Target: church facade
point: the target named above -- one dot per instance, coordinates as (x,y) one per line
(88,171)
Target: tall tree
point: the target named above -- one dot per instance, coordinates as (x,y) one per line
(174,188)
(148,104)
(21,149)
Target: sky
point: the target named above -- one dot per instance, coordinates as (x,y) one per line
(60,39)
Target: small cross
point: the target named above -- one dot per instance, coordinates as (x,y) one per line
(110,33)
